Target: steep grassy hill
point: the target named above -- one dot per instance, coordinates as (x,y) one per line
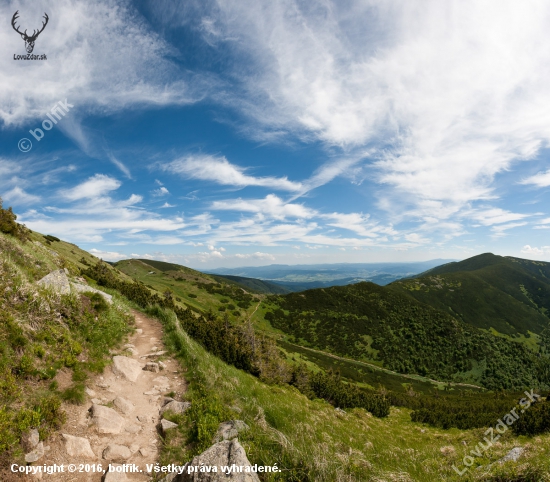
(509,295)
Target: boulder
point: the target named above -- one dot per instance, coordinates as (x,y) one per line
(124,405)
(229,430)
(126,367)
(176,407)
(36,454)
(116,453)
(106,419)
(225,453)
(78,446)
(57,281)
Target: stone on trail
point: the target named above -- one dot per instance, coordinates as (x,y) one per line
(139,331)
(116,453)
(176,407)
(132,428)
(152,367)
(124,405)
(167,425)
(162,381)
(126,367)
(229,430)
(224,453)
(115,476)
(78,446)
(36,454)
(106,419)
(90,392)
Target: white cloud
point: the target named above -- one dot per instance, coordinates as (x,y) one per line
(541,179)
(527,249)
(108,255)
(162,191)
(18,195)
(491,216)
(219,170)
(443,94)
(95,187)
(166,205)
(256,255)
(101,57)
(271,206)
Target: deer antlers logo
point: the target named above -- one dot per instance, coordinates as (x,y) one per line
(29,39)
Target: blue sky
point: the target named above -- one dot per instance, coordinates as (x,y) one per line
(229,133)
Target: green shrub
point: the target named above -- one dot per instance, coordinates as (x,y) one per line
(75,394)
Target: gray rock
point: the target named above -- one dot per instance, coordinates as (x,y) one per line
(36,454)
(126,367)
(157,353)
(90,392)
(116,453)
(115,474)
(224,453)
(167,400)
(513,455)
(229,430)
(78,446)
(176,407)
(166,425)
(80,288)
(152,367)
(124,405)
(132,428)
(57,281)
(106,419)
(30,439)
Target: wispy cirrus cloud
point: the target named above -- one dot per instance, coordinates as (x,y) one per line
(219,170)
(541,179)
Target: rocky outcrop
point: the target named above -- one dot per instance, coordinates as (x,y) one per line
(513,455)
(166,425)
(36,454)
(126,367)
(176,407)
(230,430)
(59,281)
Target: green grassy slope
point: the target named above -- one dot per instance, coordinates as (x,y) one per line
(510,295)
(253,284)
(49,343)
(311,441)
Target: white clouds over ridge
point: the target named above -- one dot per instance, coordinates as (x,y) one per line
(452,93)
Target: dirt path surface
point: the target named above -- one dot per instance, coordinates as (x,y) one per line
(120,418)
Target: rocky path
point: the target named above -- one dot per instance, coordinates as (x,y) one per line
(119,422)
